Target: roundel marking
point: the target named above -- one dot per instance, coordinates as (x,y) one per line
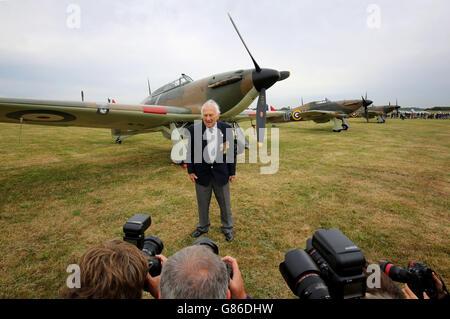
(355,114)
(296,115)
(41,116)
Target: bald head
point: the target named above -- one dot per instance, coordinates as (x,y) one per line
(194,272)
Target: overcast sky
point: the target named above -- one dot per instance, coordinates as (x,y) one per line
(337,49)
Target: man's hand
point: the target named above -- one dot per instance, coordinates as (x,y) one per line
(441,293)
(409,294)
(152,283)
(232,178)
(236,283)
(193,177)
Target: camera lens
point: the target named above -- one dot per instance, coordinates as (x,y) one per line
(302,276)
(396,273)
(311,286)
(152,245)
(154,266)
(207,242)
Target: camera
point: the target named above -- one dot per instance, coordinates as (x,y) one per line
(212,245)
(418,276)
(151,246)
(331,267)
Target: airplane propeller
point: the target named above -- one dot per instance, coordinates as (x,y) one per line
(262,80)
(366,103)
(396,106)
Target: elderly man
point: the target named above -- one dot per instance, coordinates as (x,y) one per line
(211,164)
(195,272)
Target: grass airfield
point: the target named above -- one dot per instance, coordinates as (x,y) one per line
(64,190)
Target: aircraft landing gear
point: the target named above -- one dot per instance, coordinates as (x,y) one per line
(345,125)
(337,127)
(380,119)
(118,140)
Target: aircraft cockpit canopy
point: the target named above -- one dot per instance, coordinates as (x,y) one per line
(183,80)
(323,101)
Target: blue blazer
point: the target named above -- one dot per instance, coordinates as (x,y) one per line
(224,165)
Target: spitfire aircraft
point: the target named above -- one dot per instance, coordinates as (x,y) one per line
(169,108)
(319,112)
(379,112)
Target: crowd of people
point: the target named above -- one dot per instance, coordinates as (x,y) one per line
(420,115)
(119,270)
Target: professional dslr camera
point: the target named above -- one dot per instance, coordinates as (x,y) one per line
(212,245)
(418,277)
(331,267)
(151,246)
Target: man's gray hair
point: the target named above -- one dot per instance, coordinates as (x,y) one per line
(213,103)
(194,272)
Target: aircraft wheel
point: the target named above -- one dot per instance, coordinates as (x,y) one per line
(345,127)
(337,131)
(118,141)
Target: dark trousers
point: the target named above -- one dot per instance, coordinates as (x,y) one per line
(222,194)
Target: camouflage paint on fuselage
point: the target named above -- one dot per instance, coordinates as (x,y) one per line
(339,108)
(381,110)
(227,89)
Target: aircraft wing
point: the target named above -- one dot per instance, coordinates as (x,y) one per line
(126,117)
(316,115)
(251,115)
(320,114)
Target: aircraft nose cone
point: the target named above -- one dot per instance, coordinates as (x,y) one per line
(368,102)
(265,78)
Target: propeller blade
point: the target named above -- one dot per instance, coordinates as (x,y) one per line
(365,104)
(258,69)
(261,116)
(82,96)
(149,90)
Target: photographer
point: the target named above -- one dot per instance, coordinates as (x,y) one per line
(442,292)
(421,281)
(196,272)
(114,270)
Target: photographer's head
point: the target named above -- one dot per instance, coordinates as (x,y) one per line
(114,270)
(194,272)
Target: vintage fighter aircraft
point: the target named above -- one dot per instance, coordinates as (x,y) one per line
(319,112)
(379,112)
(169,108)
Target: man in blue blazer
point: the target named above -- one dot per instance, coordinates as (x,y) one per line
(211,164)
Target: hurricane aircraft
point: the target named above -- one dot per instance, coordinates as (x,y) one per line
(317,111)
(379,112)
(168,109)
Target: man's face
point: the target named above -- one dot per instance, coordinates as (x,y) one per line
(210,116)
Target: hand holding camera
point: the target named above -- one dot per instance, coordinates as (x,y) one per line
(421,281)
(236,282)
